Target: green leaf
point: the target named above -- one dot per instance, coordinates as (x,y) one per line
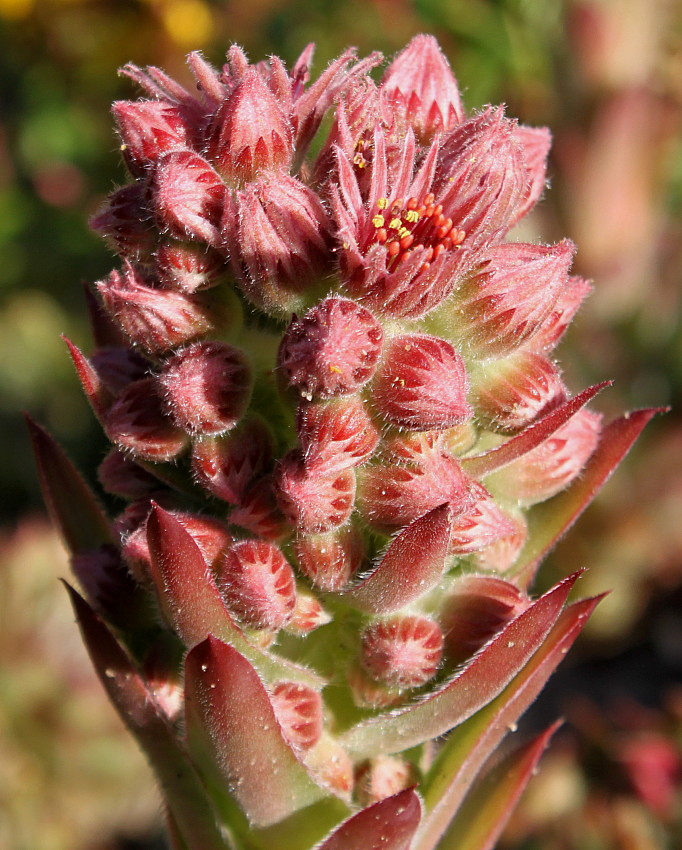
(468,747)
(71,504)
(476,685)
(139,710)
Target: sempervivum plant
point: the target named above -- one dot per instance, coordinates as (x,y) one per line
(329,384)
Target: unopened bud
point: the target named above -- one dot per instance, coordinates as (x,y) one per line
(189,268)
(480,524)
(330,560)
(335,435)
(148,129)
(259,512)
(125,221)
(313,502)
(298,710)
(119,474)
(382,777)
(403,652)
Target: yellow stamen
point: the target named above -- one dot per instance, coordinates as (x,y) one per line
(382,203)
(378,221)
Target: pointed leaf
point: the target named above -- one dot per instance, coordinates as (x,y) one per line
(72,506)
(96,393)
(412,565)
(489,806)
(476,685)
(139,710)
(192,603)
(549,521)
(481,465)
(387,825)
(229,716)
(468,747)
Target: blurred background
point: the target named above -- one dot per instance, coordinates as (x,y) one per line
(606,76)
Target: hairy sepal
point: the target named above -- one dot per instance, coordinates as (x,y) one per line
(387,825)
(191,813)
(192,603)
(481,681)
(469,746)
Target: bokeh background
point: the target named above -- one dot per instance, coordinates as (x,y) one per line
(606,76)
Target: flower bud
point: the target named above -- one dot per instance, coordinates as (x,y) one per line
(188,197)
(421,90)
(502,554)
(421,383)
(535,143)
(549,468)
(308,614)
(227,465)
(207,387)
(367,692)
(477,608)
(332,350)
(331,766)
(155,319)
(277,234)
(119,474)
(480,524)
(148,129)
(125,221)
(117,367)
(189,268)
(250,132)
(330,560)
(137,421)
(259,512)
(257,583)
(403,652)
(313,502)
(506,299)
(563,310)
(298,710)
(510,394)
(335,435)
(382,777)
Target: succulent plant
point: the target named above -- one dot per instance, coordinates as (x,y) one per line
(345,447)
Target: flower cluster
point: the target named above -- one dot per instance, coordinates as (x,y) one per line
(329,385)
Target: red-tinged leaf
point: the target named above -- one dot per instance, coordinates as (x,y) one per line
(72,506)
(192,603)
(412,565)
(475,686)
(481,465)
(387,825)
(479,824)
(468,747)
(139,710)
(231,721)
(96,393)
(549,521)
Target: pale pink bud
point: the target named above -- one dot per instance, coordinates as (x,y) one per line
(188,197)
(393,496)
(314,502)
(330,560)
(506,300)
(155,319)
(335,435)
(332,350)
(259,512)
(331,766)
(119,474)
(277,233)
(298,710)
(250,133)
(210,535)
(226,466)
(125,221)
(207,387)
(477,608)
(421,89)
(382,777)
(137,421)
(421,383)
(510,394)
(480,524)
(535,143)
(482,177)
(308,614)
(502,554)
(257,583)
(189,268)
(117,367)
(549,468)
(368,693)
(561,315)
(148,129)
(403,652)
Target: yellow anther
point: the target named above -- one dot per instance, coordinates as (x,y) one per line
(359,160)
(382,203)
(333,368)
(412,215)
(378,221)
(403,232)
(395,223)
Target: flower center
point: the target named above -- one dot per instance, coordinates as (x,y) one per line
(402,226)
